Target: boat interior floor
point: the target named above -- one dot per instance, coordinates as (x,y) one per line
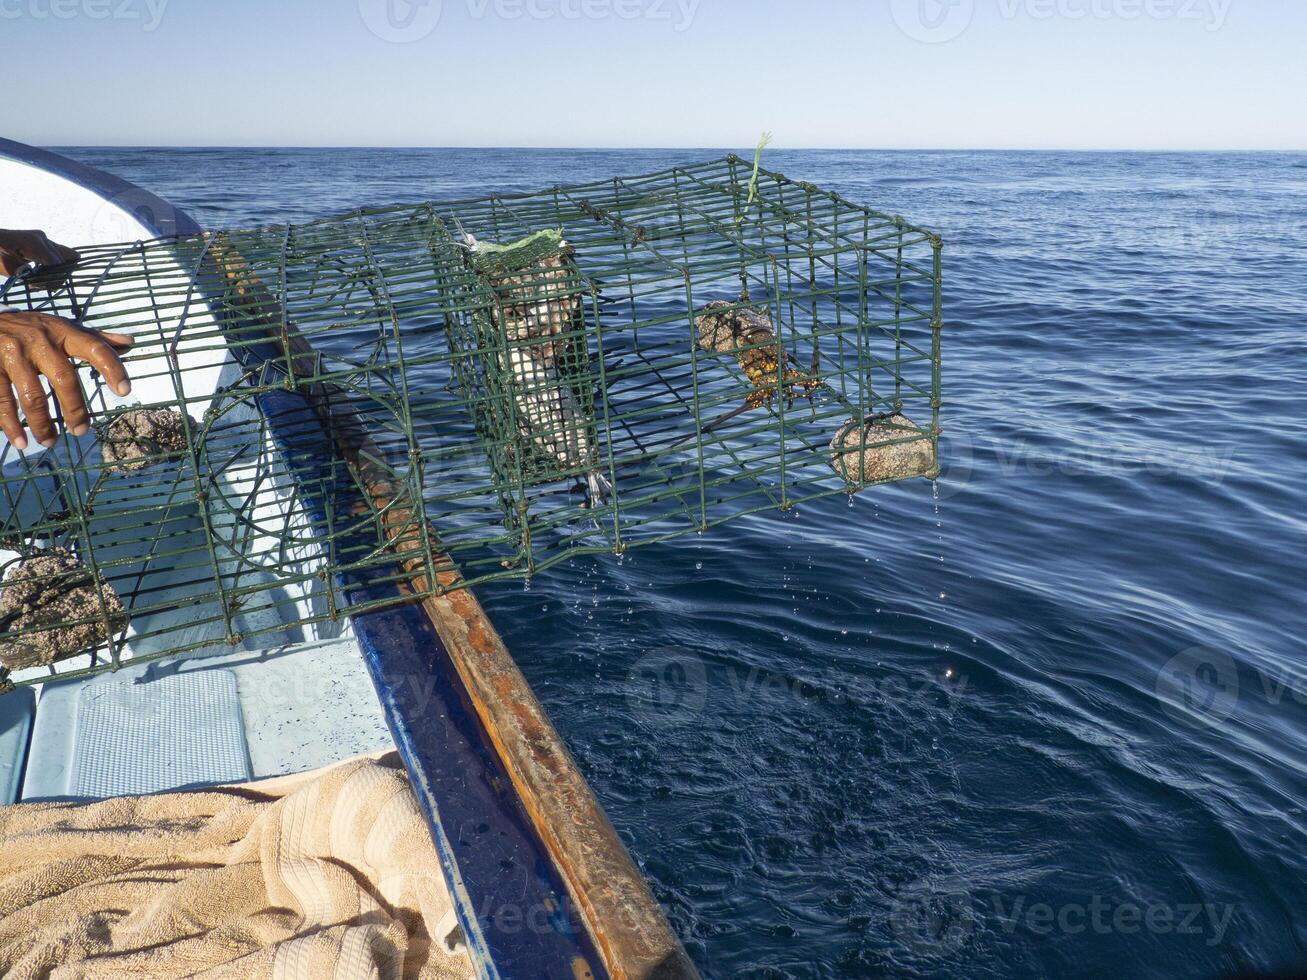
(190,721)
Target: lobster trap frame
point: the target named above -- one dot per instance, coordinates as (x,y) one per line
(703,345)
(188,520)
(844,368)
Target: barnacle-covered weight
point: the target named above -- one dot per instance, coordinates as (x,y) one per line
(881,449)
(53,607)
(725,327)
(747,332)
(141,437)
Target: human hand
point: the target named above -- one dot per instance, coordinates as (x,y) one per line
(18,248)
(36,344)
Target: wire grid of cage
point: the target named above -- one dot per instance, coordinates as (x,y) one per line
(711,347)
(464,392)
(185,521)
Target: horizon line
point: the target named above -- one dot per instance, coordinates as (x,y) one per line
(597,148)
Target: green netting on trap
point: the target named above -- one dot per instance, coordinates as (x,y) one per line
(704,355)
(212,508)
(503,383)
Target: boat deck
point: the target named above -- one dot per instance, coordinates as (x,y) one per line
(191,720)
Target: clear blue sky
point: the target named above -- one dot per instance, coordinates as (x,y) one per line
(1187,74)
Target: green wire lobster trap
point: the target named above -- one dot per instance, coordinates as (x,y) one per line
(507,382)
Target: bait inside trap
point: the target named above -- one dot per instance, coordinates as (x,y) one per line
(483,388)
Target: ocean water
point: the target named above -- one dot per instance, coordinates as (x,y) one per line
(1047,717)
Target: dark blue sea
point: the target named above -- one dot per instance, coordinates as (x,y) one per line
(1046,718)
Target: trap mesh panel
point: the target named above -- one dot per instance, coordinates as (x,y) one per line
(507,382)
(723,355)
(210,508)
